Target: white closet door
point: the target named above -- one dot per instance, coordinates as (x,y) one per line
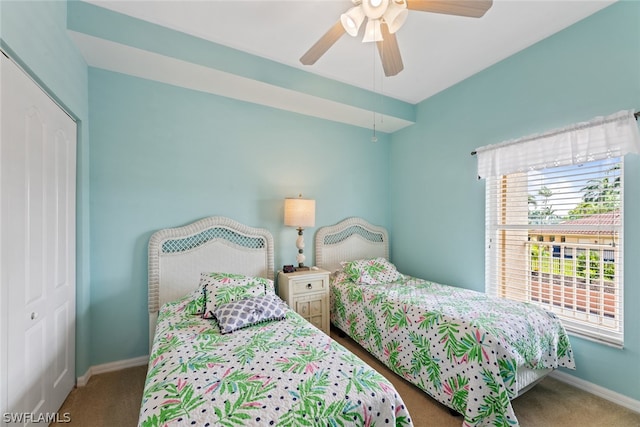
(38,179)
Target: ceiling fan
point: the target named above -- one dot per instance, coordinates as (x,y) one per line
(384,18)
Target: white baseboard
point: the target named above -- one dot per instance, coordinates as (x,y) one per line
(110,367)
(605,393)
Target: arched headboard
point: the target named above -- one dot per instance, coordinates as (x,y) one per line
(177,256)
(350,239)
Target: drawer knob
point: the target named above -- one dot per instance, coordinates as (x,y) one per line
(309,286)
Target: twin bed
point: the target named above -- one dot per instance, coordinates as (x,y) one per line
(277,369)
(469,351)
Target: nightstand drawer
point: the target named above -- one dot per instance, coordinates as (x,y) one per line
(308,286)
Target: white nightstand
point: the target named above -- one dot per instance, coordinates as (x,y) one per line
(307,292)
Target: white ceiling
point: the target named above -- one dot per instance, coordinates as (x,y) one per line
(437,50)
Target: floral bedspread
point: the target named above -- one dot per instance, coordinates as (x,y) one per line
(460,346)
(280,373)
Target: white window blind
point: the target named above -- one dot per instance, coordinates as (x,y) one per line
(555,227)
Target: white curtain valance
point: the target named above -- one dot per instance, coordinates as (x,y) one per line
(600,138)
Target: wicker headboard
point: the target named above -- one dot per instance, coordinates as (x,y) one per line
(177,256)
(352,238)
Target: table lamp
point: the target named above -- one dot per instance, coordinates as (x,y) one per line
(300,213)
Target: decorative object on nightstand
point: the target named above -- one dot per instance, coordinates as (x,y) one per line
(300,213)
(307,292)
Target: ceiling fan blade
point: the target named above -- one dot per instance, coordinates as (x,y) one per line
(470,8)
(323,44)
(389,52)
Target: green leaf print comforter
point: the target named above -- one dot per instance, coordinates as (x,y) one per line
(460,346)
(278,373)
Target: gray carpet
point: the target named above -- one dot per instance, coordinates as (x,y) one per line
(113,400)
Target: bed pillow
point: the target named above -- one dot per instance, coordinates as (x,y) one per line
(249,311)
(194,302)
(371,271)
(222,288)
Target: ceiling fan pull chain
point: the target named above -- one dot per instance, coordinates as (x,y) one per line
(374,137)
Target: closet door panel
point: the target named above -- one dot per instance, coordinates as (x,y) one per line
(60,366)
(34,379)
(60,245)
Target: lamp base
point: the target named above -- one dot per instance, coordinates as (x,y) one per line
(300,245)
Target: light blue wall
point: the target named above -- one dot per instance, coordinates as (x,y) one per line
(437,216)
(34,34)
(164,156)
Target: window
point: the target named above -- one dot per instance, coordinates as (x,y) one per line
(567,183)
(580,282)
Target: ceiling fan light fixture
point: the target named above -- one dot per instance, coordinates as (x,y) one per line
(372,32)
(374,9)
(396,15)
(352,20)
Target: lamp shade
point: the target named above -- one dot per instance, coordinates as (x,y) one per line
(299,212)
(395,15)
(372,31)
(352,19)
